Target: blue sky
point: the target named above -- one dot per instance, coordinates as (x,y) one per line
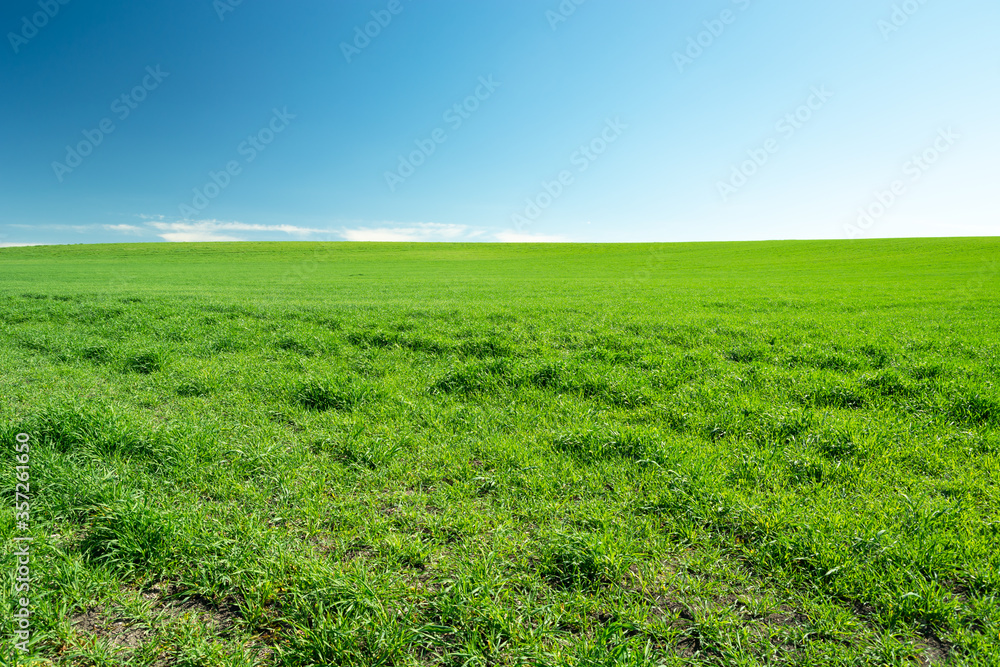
(518,120)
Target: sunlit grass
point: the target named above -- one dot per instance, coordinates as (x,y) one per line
(780,453)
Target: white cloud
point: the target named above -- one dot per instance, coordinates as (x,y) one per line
(208,230)
(18,245)
(125,229)
(420,231)
(520,237)
(196,237)
(81,229)
(198,231)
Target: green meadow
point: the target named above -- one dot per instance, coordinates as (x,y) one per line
(780,453)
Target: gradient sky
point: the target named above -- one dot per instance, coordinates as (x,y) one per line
(665,120)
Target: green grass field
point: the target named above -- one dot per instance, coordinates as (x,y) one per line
(472,455)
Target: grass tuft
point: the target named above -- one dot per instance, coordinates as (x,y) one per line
(340,393)
(573,561)
(145,363)
(598,445)
(477,377)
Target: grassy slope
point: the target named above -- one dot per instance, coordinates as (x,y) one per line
(391,454)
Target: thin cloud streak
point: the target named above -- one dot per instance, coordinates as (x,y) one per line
(421,231)
(520,237)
